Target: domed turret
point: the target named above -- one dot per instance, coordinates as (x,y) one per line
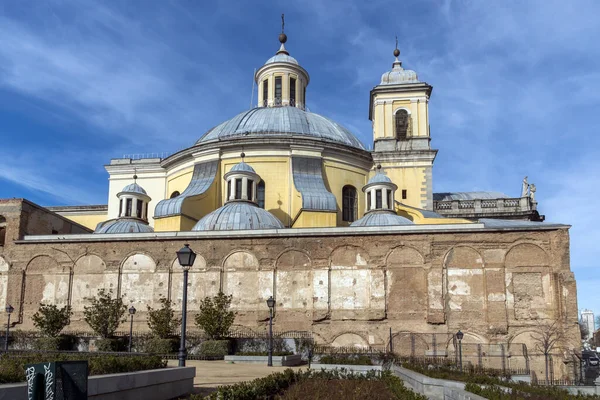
(282,81)
(133,212)
(380,210)
(241,210)
(398,75)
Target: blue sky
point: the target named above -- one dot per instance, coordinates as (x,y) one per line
(516,90)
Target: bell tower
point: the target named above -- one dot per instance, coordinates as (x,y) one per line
(399,111)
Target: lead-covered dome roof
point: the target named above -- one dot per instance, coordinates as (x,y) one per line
(238,215)
(382,218)
(123,225)
(281,122)
(134,188)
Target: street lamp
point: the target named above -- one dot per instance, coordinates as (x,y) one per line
(271,304)
(459,336)
(186,258)
(132,313)
(9,310)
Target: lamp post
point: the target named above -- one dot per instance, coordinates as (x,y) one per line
(271,304)
(186,258)
(459,336)
(132,313)
(9,310)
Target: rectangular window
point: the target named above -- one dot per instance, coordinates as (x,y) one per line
(138,209)
(304,97)
(292,91)
(238,189)
(249,190)
(260,194)
(389,199)
(378,199)
(146,212)
(277,90)
(369,201)
(120,207)
(128,208)
(228,190)
(404,194)
(265,92)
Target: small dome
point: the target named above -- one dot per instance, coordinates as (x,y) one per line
(277,58)
(242,167)
(399,75)
(238,215)
(381,218)
(123,225)
(134,188)
(379,178)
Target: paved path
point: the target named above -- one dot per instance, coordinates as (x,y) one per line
(210,374)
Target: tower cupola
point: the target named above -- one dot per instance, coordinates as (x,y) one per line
(379,192)
(282,81)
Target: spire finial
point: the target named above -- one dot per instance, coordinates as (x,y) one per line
(135,175)
(243,155)
(282,36)
(396,50)
(378,168)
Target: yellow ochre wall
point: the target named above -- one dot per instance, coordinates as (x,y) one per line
(409,178)
(338,175)
(87,220)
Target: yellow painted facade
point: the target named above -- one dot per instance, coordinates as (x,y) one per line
(337,175)
(315,219)
(88,220)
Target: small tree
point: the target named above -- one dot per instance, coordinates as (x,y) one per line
(215,318)
(51,320)
(105,314)
(546,336)
(585,332)
(162,321)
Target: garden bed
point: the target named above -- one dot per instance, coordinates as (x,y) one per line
(12,365)
(296,385)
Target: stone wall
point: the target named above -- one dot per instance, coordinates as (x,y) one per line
(496,286)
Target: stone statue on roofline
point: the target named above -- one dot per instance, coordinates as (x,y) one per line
(532,192)
(525,188)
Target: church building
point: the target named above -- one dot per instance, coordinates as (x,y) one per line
(279,201)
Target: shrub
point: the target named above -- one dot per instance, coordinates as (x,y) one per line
(264,353)
(105,314)
(51,320)
(110,344)
(63,342)
(12,367)
(156,345)
(162,321)
(215,348)
(215,318)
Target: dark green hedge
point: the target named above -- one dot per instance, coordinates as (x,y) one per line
(12,366)
(264,353)
(523,391)
(346,359)
(215,348)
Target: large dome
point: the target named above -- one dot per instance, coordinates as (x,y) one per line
(281,121)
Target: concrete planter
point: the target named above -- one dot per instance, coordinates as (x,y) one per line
(156,384)
(278,361)
(357,369)
(435,389)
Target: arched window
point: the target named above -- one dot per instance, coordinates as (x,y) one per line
(174,194)
(2,230)
(260,194)
(128,203)
(349,206)
(402,124)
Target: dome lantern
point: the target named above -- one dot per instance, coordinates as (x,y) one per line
(379,192)
(281,80)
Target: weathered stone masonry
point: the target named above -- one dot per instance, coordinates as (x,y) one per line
(494,285)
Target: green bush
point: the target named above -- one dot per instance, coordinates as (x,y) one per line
(162,321)
(155,345)
(63,342)
(264,353)
(215,348)
(105,314)
(108,345)
(50,319)
(12,366)
(350,359)
(522,391)
(215,318)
